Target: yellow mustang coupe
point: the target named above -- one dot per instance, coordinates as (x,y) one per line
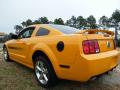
(58,51)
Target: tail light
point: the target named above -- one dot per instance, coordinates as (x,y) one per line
(90,47)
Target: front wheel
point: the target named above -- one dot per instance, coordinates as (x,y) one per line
(44,72)
(5,54)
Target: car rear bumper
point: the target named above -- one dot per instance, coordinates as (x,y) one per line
(100,63)
(88,66)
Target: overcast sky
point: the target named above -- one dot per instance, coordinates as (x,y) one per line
(13,12)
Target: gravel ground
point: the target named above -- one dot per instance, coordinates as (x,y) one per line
(14,76)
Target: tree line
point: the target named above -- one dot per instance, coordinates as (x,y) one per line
(78,22)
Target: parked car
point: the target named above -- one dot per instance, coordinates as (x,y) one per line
(62,52)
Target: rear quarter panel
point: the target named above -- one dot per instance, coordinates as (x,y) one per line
(72,47)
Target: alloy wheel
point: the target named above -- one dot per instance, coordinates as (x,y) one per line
(41,72)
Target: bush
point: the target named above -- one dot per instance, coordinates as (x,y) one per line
(118,43)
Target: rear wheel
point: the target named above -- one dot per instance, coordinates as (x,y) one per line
(5,54)
(44,72)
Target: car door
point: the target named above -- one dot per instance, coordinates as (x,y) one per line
(21,46)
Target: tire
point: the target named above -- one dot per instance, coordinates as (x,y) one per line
(44,72)
(6,55)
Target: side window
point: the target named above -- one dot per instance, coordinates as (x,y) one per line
(26,33)
(42,32)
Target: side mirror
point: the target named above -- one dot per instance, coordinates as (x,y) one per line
(13,36)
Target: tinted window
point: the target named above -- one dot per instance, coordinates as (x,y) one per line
(42,32)
(26,33)
(65,29)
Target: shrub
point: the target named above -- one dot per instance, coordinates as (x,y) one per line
(118,43)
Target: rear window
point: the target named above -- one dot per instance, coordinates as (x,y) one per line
(42,32)
(65,29)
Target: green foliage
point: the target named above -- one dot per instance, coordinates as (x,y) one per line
(118,43)
(36,22)
(43,20)
(115,20)
(81,22)
(18,28)
(59,21)
(91,22)
(24,24)
(104,22)
(72,21)
(116,16)
(27,23)
(78,22)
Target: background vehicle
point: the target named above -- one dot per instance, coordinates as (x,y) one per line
(57,51)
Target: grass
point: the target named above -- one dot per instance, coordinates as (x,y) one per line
(0,50)
(14,76)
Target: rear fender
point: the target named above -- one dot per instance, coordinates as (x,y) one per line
(44,48)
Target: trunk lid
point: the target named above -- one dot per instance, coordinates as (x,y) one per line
(105,43)
(104,38)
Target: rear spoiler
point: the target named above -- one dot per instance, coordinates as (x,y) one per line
(94,31)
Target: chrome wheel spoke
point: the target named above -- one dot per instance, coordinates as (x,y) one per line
(45,77)
(38,75)
(41,77)
(5,54)
(38,68)
(41,66)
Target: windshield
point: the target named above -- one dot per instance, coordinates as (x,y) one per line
(65,29)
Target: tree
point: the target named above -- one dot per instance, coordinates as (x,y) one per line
(80,22)
(116,17)
(51,22)
(36,22)
(24,24)
(59,21)
(43,20)
(115,20)
(104,22)
(71,22)
(27,23)
(91,22)
(18,28)
(68,22)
